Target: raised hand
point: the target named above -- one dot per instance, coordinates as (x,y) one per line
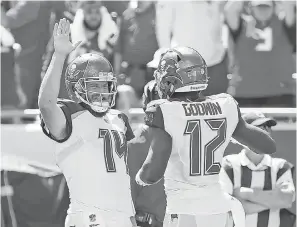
(61,34)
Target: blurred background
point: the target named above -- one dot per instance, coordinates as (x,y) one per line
(249,47)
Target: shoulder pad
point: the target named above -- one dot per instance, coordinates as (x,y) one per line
(114,112)
(72,107)
(230,100)
(220,96)
(69,108)
(157,102)
(154,116)
(129,132)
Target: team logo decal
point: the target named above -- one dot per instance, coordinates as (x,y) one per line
(170,67)
(92,217)
(73,72)
(149,117)
(92,72)
(173,217)
(202,71)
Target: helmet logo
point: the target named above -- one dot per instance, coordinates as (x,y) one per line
(73,72)
(202,71)
(92,72)
(171,67)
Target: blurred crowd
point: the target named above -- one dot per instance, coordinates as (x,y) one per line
(249,46)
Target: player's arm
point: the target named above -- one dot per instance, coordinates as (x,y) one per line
(156,162)
(165,17)
(253,137)
(21,14)
(233,11)
(289,21)
(52,115)
(138,149)
(290,14)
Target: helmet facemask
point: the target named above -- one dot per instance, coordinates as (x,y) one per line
(97,92)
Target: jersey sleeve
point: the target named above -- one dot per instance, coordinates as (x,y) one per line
(154,117)
(129,132)
(68,107)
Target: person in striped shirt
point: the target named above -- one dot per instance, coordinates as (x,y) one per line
(262,183)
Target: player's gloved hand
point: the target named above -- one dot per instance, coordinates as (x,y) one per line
(62,43)
(144,219)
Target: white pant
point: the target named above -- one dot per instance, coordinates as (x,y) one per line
(236,216)
(99,219)
(215,220)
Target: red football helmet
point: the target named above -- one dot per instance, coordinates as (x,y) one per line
(89,79)
(181,69)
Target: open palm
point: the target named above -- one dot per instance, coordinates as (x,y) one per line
(61,34)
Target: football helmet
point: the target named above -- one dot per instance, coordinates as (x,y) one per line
(89,79)
(181,69)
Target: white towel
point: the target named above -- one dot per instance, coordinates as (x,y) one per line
(108,30)
(7,39)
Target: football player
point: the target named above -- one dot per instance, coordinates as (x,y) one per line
(189,136)
(149,202)
(91,138)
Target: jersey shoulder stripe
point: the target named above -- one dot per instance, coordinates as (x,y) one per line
(69,108)
(129,132)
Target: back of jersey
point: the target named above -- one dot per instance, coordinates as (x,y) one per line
(200,133)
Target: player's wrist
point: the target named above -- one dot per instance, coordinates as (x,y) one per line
(139,181)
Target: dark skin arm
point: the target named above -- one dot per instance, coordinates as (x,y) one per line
(253,137)
(156,162)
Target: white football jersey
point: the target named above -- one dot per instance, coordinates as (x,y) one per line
(93,159)
(200,133)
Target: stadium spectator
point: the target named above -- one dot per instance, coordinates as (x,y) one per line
(137,44)
(93,25)
(262,183)
(126,99)
(71,7)
(116,6)
(197,24)
(263,45)
(29,23)
(9,98)
(149,202)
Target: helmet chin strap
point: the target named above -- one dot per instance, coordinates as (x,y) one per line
(99,109)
